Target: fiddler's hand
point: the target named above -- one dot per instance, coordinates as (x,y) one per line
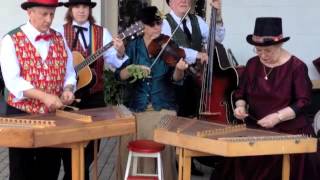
(119,46)
(216,4)
(269,121)
(138,72)
(203,57)
(240,112)
(182,65)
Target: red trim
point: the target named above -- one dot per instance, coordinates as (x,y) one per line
(262,39)
(142,178)
(47,2)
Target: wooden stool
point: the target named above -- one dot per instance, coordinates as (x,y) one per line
(144,148)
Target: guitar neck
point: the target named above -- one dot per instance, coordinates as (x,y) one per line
(92,58)
(133,29)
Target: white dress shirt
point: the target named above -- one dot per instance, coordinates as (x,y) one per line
(110,56)
(10,65)
(191,54)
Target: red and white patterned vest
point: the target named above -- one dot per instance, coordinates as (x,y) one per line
(47,75)
(98,65)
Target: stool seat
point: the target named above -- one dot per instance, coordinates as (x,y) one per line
(142,178)
(145,146)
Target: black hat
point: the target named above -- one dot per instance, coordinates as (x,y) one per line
(316,63)
(76,2)
(267,32)
(45,3)
(149,15)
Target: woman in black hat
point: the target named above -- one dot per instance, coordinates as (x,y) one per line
(86,37)
(273,94)
(152,97)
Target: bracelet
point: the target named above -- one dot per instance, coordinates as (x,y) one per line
(240,103)
(241,106)
(279,116)
(68,88)
(120,57)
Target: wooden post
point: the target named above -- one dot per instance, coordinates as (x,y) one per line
(180,170)
(186,167)
(286,167)
(95,160)
(77,162)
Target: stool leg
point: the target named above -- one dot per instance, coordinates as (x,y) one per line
(135,166)
(128,166)
(159,164)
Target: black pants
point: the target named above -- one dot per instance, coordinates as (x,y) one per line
(188,98)
(32,163)
(92,101)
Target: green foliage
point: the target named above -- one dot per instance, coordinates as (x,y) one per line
(138,72)
(113,89)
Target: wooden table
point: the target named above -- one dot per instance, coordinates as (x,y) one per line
(69,130)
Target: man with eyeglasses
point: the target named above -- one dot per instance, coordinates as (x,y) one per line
(192,34)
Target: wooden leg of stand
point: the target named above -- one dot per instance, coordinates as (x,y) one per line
(95,160)
(186,167)
(180,168)
(82,146)
(77,151)
(286,167)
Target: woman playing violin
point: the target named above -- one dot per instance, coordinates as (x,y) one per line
(153,96)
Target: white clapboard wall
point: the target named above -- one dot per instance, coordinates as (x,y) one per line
(301,21)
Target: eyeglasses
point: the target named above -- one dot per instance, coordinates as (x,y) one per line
(260,51)
(159,23)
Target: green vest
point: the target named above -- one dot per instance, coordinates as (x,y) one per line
(181,38)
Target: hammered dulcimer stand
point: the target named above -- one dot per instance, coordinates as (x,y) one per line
(201,138)
(67,130)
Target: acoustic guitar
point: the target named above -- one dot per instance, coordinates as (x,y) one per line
(81,65)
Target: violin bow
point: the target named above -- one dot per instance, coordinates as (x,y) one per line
(166,44)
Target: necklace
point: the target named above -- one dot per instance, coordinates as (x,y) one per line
(265,72)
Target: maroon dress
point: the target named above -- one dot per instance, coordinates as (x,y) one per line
(286,85)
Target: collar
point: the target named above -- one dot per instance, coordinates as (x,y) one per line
(177,18)
(85,25)
(31,31)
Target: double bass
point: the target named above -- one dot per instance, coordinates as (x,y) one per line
(219,79)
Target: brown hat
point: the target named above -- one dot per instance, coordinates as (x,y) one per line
(267,32)
(45,3)
(75,2)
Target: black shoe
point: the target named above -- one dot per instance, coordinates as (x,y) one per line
(195,171)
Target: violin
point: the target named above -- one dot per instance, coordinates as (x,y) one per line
(171,54)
